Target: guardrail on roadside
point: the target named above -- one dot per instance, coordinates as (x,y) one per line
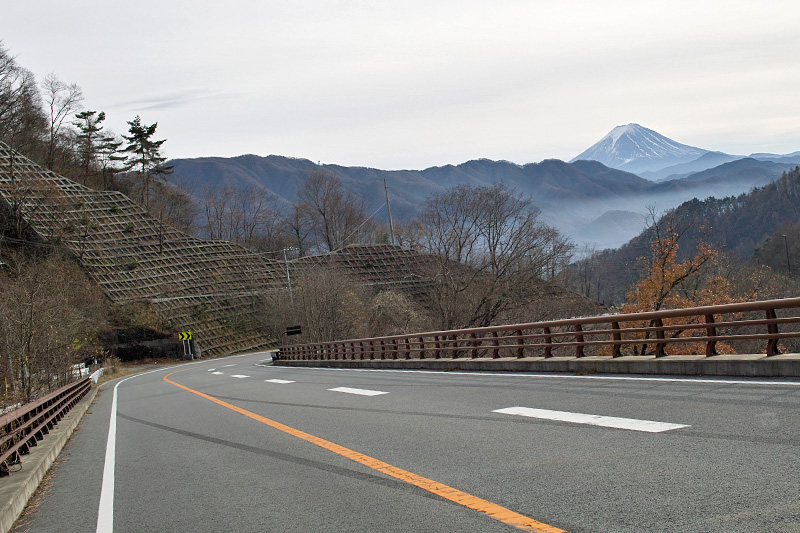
(733,324)
(24,427)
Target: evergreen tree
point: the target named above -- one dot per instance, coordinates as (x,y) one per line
(89,133)
(144,156)
(96,149)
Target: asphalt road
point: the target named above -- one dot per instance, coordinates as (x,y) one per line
(186,462)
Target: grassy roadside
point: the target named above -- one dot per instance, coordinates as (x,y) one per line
(116,369)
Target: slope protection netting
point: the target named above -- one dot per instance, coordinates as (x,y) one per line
(215,289)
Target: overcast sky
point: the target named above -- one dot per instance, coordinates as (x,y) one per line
(414,84)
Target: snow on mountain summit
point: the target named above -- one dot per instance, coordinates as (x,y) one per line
(634,148)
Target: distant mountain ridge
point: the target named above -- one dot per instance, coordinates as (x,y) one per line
(634,148)
(550,182)
(650,155)
(572,196)
(682,170)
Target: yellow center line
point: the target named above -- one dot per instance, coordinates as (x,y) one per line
(492,510)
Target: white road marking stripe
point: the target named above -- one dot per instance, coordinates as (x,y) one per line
(282,381)
(223,366)
(239,376)
(362,392)
(594,420)
(105,510)
(211,369)
(218,373)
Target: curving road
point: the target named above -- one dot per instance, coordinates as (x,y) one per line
(236,445)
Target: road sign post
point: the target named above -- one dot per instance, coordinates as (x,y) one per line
(186,339)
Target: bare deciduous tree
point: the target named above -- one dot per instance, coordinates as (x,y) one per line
(491,249)
(335,215)
(251,217)
(393,313)
(330,305)
(49,314)
(61,100)
(22,121)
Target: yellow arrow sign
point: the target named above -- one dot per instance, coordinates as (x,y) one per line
(185,335)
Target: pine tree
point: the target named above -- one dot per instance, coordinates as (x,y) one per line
(144,156)
(89,133)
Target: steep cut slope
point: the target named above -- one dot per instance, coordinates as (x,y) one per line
(214,289)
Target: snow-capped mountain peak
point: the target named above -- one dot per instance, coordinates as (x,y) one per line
(635,148)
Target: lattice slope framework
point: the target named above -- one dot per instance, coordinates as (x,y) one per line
(215,289)
(382,267)
(388,267)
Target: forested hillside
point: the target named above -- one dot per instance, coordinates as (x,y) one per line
(749,229)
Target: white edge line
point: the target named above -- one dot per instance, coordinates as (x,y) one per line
(105,509)
(554,376)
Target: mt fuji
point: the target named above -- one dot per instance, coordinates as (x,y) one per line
(634,148)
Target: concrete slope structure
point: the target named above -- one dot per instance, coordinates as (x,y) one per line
(381,267)
(214,289)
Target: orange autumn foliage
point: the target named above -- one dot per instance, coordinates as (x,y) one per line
(670,284)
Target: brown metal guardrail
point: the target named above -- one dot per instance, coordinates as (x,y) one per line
(600,335)
(25,427)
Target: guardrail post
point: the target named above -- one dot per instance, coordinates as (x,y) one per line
(772,329)
(548,340)
(659,351)
(617,336)
(476,343)
(711,331)
(496,350)
(579,339)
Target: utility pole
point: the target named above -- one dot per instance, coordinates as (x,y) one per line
(389,208)
(786,246)
(288,279)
